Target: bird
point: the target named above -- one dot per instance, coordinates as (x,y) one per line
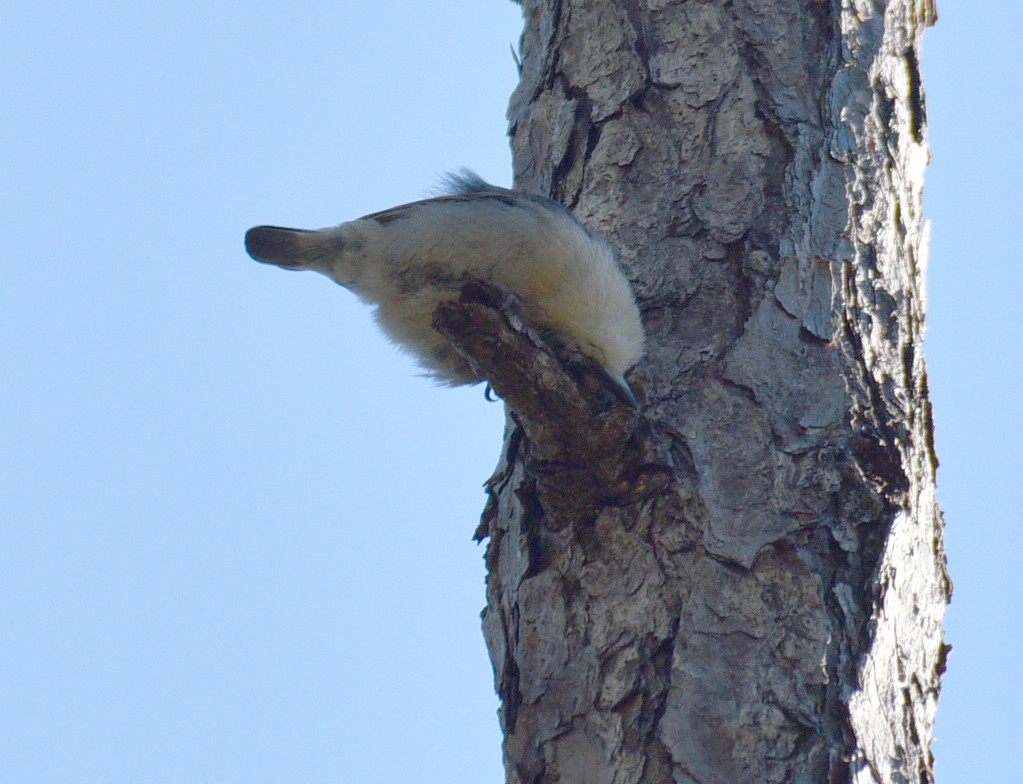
(406,260)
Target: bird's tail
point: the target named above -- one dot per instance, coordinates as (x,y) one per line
(289,248)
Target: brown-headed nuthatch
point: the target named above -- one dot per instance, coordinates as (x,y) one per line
(407,260)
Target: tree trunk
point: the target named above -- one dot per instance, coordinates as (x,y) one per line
(745,582)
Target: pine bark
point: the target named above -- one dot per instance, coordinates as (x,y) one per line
(744,581)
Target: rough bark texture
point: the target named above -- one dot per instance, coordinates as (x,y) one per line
(744,583)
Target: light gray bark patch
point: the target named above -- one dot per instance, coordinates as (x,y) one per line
(817,315)
(624,142)
(829,210)
(797,381)
(788,289)
(732,195)
(750,652)
(804,290)
(541,647)
(536,51)
(496,636)
(635,577)
(514,558)
(850,105)
(584,754)
(694,48)
(599,55)
(788,45)
(738,472)
(548,122)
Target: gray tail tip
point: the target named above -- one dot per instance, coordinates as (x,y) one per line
(274,245)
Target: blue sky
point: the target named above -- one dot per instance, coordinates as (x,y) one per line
(234,524)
